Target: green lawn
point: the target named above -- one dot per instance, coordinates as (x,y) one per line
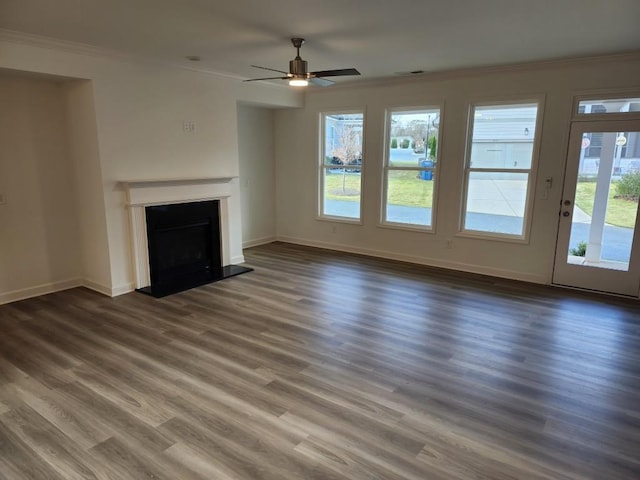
(404,188)
(334,183)
(619,212)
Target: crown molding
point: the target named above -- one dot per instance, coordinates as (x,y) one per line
(633,55)
(40,41)
(50,43)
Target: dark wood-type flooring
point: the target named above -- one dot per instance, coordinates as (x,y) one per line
(322,365)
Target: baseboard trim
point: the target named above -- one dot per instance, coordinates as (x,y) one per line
(44,289)
(258,241)
(237,259)
(457,266)
(122,289)
(108,291)
(96,287)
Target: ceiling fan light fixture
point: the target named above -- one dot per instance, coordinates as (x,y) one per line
(298,82)
(299,74)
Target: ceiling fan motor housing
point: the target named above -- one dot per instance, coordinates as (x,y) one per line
(299,74)
(298,67)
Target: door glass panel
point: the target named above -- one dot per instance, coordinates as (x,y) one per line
(606,201)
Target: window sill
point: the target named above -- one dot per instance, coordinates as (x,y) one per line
(496,237)
(328,218)
(406,227)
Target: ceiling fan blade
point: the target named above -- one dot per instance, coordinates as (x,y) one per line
(272,69)
(321,82)
(267,78)
(335,73)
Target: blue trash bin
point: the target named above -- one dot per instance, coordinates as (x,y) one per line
(426,174)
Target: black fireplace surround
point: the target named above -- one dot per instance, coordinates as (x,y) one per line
(185,247)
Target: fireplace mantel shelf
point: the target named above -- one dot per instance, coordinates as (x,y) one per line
(176,190)
(156,182)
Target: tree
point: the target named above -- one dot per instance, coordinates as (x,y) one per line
(629,186)
(417,129)
(433,145)
(348,148)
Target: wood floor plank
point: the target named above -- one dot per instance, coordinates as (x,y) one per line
(18,461)
(116,419)
(323,365)
(235,449)
(69,417)
(377,455)
(49,443)
(122,461)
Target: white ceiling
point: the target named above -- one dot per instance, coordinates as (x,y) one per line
(378,37)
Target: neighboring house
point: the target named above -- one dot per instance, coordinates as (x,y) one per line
(502,136)
(343,128)
(627,147)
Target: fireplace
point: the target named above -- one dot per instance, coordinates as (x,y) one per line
(184,246)
(184,232)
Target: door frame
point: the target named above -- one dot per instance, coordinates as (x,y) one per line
(582,276)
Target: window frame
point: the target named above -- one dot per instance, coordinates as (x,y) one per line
(322,167)
(386,168)
(603,95)
(532,172)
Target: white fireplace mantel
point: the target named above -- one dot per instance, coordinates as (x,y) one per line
(161,192)
(146,193)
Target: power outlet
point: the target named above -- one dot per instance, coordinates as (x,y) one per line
(449,243)
(334,228)
(189,126)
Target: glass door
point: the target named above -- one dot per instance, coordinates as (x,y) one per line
(598,247)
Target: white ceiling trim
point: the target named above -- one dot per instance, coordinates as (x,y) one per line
(507,68)
(21,38)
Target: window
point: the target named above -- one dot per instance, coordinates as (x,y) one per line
(608,106)
(498,169)
(410,167)
(626,145)
(341,165)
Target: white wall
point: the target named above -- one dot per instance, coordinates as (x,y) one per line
(139,113)
(257,174)
(39,247)
(90,208)
(296,159)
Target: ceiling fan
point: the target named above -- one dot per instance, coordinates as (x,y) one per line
(298,75)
